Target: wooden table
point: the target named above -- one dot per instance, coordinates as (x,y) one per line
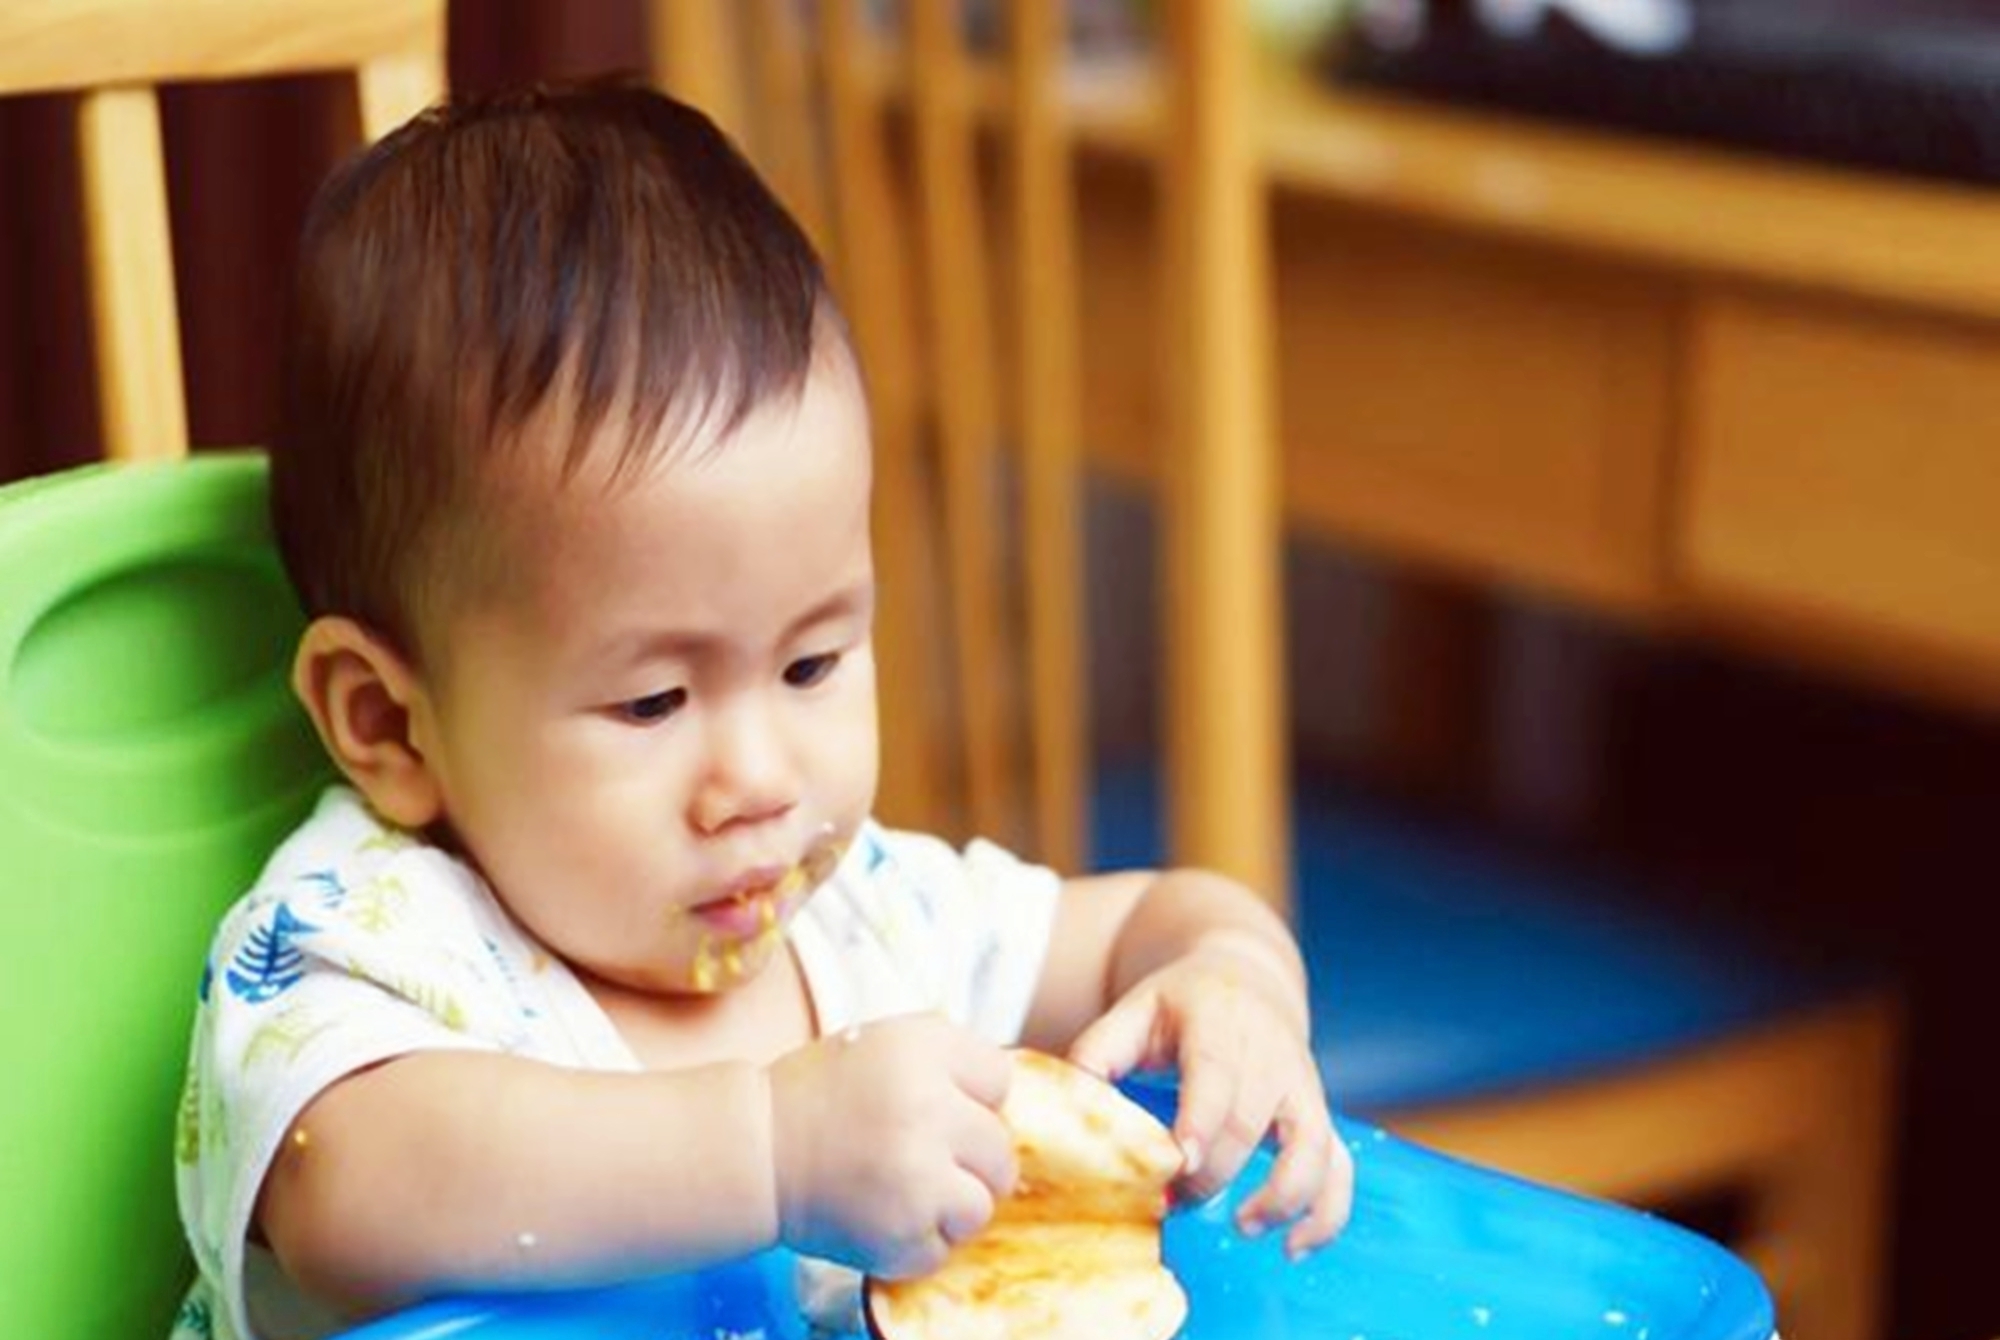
(1708,392)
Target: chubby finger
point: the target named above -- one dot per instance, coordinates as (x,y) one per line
(1232,1144)
(969,1209)
(1305,1156)
(1330,1208)
(915,1259)
(1117,1043)
(981,1070)
(982,1145)
(1208,1097)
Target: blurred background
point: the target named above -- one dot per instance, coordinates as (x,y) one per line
(1632,370)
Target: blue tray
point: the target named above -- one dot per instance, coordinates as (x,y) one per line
(1436,1250)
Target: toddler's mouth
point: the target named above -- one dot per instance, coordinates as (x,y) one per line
(754,901)
(747,911)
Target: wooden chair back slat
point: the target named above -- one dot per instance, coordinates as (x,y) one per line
(392,89)
(113,55)
(790,146)
(1045,328)
(871,244)
(135,325)
(697,57)
(965,400)
(56,46)
(1222,533)
(875,139)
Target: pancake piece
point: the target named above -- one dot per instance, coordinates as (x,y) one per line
(1074,1253)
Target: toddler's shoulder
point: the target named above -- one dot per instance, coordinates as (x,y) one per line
(360,920)
(887,868)
(344,862)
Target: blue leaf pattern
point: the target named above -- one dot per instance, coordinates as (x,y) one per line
(327,886)
(269,964)
(512,978)
(194,1318)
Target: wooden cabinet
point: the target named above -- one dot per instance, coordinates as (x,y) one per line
(1722,394)
(1474,403)
(1846,463)
(1479,406)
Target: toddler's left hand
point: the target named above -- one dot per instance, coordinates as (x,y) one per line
(1235,1032)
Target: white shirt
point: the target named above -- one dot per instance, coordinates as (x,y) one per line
(359,943)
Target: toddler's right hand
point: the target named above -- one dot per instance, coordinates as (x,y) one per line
(888,1143)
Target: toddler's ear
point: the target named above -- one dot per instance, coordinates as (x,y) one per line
(360,694)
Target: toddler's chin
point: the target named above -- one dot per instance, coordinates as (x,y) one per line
(717,969)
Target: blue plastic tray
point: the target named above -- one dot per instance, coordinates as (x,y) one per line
(1436,1250)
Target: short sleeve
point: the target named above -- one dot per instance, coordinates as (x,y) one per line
(909,923)
(322,970)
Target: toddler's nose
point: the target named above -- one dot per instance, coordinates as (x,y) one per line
(750,778)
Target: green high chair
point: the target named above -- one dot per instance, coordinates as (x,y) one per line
(151,755)
(149,747)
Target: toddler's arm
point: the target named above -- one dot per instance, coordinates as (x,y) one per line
(445,1170)
(441,1171)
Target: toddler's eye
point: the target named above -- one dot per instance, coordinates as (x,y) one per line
(654,707)
(810,670)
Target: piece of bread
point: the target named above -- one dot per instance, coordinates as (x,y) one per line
(1074,1253)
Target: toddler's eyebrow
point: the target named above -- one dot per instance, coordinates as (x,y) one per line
(667,644)
(858,598)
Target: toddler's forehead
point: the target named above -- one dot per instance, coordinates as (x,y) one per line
(557,505)
(496,548)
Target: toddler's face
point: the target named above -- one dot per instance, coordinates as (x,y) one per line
(676,716)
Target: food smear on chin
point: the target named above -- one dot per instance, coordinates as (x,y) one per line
(720,960)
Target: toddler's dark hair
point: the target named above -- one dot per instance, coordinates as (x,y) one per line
(553,261)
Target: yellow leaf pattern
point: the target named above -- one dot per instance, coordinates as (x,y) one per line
(430,997)
(386,839)
(187,1126)
(285,1035)
(378,905)
(213,1121)
(434,1000)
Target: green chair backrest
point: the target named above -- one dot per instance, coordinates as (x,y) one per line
(151,755)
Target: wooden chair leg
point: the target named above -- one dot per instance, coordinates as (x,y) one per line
(1824,1213)
(1801,1117)
(1222,525)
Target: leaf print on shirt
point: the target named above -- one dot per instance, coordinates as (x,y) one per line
(386,839)
(377,906)
(523,1002)
(284,1036)
(269,964)
(433,998)
(326,887)
(187,1122)
(213,1122)
(435,1001)
(194,1319)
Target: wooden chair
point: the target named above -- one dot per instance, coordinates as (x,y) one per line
(875,139)
(155,588)
(1794,1113)
(884,143)
(112,55)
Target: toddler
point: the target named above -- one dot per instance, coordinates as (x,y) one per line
(594,963)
